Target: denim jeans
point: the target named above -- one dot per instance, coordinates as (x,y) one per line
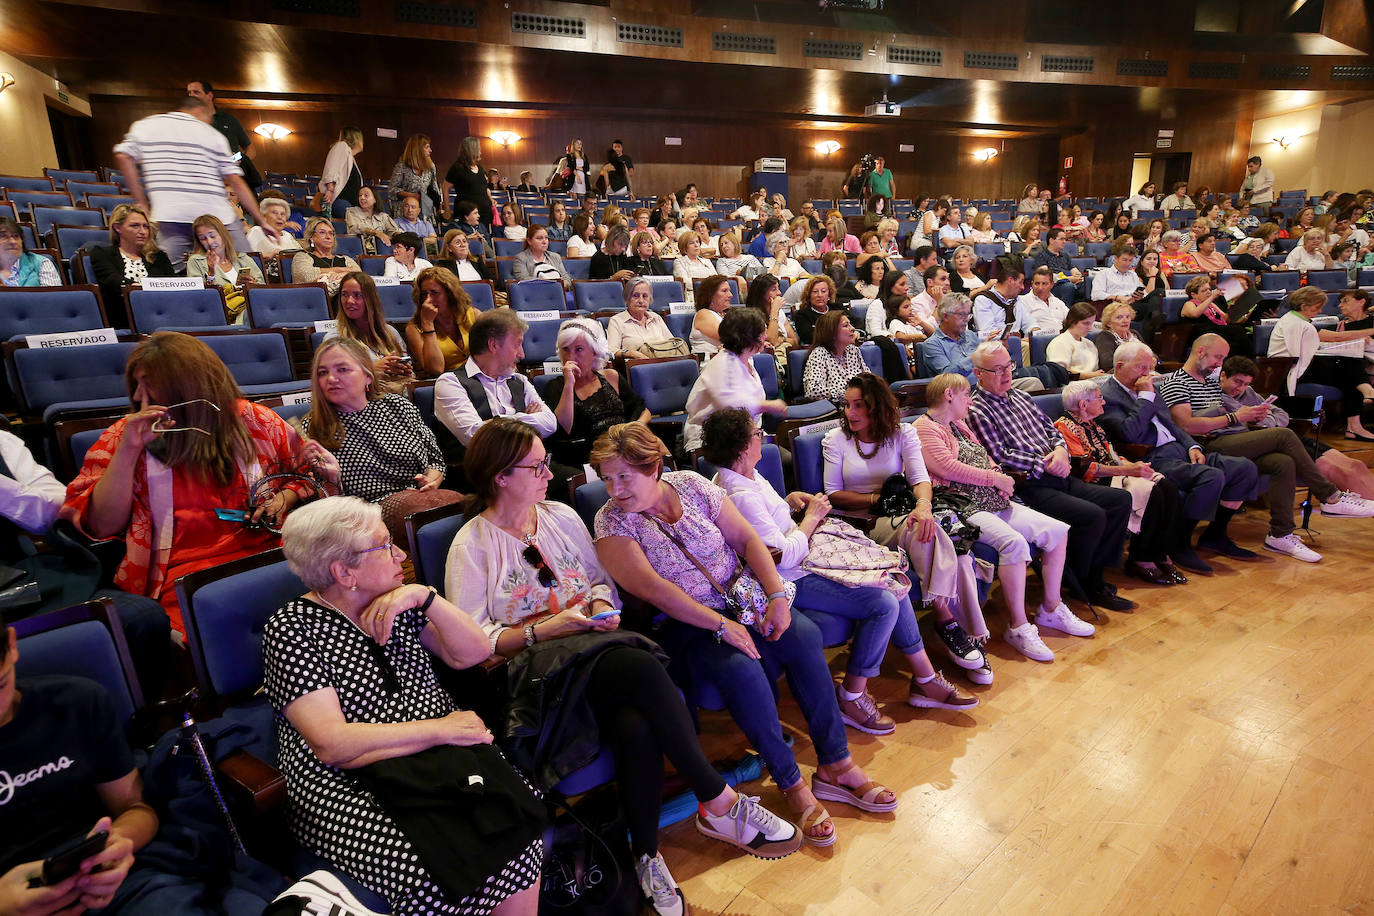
(877,615)
(746,686)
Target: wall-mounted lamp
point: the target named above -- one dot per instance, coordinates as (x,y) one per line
(986,154)
(272,131)
(506,137)
(6,81)
(826,147)
(1284,141)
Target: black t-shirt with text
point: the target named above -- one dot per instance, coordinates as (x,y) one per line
(64,740)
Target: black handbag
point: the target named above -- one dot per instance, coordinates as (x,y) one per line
(588,867)
(951,510)
(895,499)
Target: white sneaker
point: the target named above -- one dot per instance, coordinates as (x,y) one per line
(1348,504)
(751,828)
(659,887)
(1026,640)
(1063,620)
(1292,545)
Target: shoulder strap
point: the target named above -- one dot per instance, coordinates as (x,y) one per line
(478,395)
(720,590)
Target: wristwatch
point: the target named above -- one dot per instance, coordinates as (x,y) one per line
(530,637)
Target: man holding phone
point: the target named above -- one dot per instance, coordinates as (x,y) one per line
(64,766)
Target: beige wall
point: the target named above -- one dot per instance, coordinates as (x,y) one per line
(28,147)
(1296,166)
(1329,150)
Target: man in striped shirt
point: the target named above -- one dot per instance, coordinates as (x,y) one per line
(176,166)
(1025,444)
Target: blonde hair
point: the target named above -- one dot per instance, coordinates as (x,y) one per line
(632,443)
(122,213)
(1111,310)
(214,223)
(323,420)
(685,238)
(942,383)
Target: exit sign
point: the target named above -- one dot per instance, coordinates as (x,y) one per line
(1068,162)
(1164,143)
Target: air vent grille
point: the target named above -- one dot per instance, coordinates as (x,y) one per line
(560,26)
(1285,72)
(1352,73)
(921,57)
(461,17)
(347,8)
(991,60)
(1213,70)
(744,44)
(633,34)
(1137,67)
(842,50)
(1057,63)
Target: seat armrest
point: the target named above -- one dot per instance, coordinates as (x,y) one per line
(255,780)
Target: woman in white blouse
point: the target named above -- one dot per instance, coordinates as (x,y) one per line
(1312,254)
(340,165)
(691,264)
(733,444)
(1072,349)
(730,379)
(801,245)
(513,221)
(582,242)
(525,570)
(1144,199)
(405,263)
(1296,337)
(631,333)
(713,297)
(781,265)
(275,213)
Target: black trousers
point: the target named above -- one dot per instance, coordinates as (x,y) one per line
(1339,372)
(1097,518)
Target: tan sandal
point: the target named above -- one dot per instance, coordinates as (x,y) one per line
(813,817)
(862,797)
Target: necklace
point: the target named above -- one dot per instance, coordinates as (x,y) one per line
(859,447)
(326,602)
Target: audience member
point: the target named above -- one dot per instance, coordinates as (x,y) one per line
(817,298)
(763,297)
(998,313)
(359,317)
(1294,336)
(730,379)
(1068,279)
(1206,313)
(837,239)
(414,174)
(962,278)
(276,213)
(588,398)
(537,262)
(950,348)
(410,219)
(462,261)
(613,262)
(691,264)
(404,263)
(1116,330)
(513,221)
(582,242)
(1143,199)
(1071,348)
(437,334)
(320,263)
(19,267)
(214,258)
(639,332)
(132,258)
(368,222)
(1179,199)
(834,358)
(1312,254)
(1046,312)
(341,181)
(713,297)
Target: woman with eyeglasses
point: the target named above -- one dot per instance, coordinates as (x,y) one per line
(350,669)
(190,446)
(525,570)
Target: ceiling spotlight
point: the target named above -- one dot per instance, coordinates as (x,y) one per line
(826,147)
(985,154)
(272,131)
(506,137)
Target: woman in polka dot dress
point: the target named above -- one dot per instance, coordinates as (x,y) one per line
(349,671)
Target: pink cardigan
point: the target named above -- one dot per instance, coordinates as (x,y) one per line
(941,452)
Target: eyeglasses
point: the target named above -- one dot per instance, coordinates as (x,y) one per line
(539,467)
(995,370)
(387,545)
(159,428)
(536,559)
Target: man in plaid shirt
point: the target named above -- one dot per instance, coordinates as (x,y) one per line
(1024,442)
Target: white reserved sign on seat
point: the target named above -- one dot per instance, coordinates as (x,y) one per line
(329,327)
(172,284)
(553,367)
(681,308)
(71,339)
(386,281)
(546,315)
(289,399)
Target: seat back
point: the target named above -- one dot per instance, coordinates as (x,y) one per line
(1288,280)
(665,294)
(299,305)
(23,200)
(106,203)
(225,609)
(766,365)
(150,310)
(1039,345)
(85,640)
(1050,404)
(664,384)
(873,357)
(49,310)
(508,248)
(397,304)
(374,265)
(45,218)
(69,239)
(79,189)
(578,268)
(1180,280)
(482,294)
(808,463)
(536,296)
(431,533)
(62,374)
(541,341)
(62,176)
(350,245)
(256,358)
(1330,280)
(598,295)
(24,183)
(588,498)
(796,366)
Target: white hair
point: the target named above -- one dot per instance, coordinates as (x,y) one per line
(1131,351)
(951,302)
(589,330)
(986,350)
(320,534)
(1076,392)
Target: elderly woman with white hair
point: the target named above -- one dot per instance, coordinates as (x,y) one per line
(1156,504)
(639,332)
(1312,254)
(1248,254)
(588,398)
(1174,258)
(349,669)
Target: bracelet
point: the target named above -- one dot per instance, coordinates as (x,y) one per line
(922,499)
(430,331)
(720,629)
(772,595)
(433,593)
(1230,419)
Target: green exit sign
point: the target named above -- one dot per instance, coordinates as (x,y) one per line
(62,96)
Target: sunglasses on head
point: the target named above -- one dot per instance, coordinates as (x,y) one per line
(536,559)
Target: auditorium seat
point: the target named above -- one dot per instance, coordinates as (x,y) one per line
(176,310)
(286,306)
(536,296)
(259,361)
(64,380)
(85,640)
(49,310)
(598,295)
(481,293)
(45,218)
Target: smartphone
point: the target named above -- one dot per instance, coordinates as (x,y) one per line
(1270,400)
(405,359)
(66,860)
(613,612)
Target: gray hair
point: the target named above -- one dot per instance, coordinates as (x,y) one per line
(1077,392)
(320,534)
(274,202)
(985,350)
(630,285)
(617,234)
(952,302)
(1131,351)
(588,329)
(1173,235)
(968,248)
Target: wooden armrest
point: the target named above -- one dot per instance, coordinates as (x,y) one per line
(1134,451)
(255,779)
(861,520)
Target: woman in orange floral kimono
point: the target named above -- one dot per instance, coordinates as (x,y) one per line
(192,445)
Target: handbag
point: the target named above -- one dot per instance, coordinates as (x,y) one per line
(895,499)
(745,597)
(673,346)
(843,554)
(951,510)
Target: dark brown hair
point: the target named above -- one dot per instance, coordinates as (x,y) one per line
(883,413)
(498,443)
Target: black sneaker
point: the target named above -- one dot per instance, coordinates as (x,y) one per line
(962,650)
(1226,547)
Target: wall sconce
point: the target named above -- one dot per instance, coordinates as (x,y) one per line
(986,154)
(506,137)
(272,131)
(826,147)
(1284,141)
(6,81)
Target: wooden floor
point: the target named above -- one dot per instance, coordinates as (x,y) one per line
(1211,753)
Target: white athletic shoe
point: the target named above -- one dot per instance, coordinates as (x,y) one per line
(658,886)
(1350,505)
(1292,545)
(1026,640)
(1063,620)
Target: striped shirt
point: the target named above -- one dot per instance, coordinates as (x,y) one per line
(1016,433)
(1181,388)
(184,162)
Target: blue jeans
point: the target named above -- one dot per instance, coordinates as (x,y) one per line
(747,687)
(877,615)
(338,208)
(1067,291)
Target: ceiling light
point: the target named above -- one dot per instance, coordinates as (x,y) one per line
(826,147)
(272,131)
(506,137)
